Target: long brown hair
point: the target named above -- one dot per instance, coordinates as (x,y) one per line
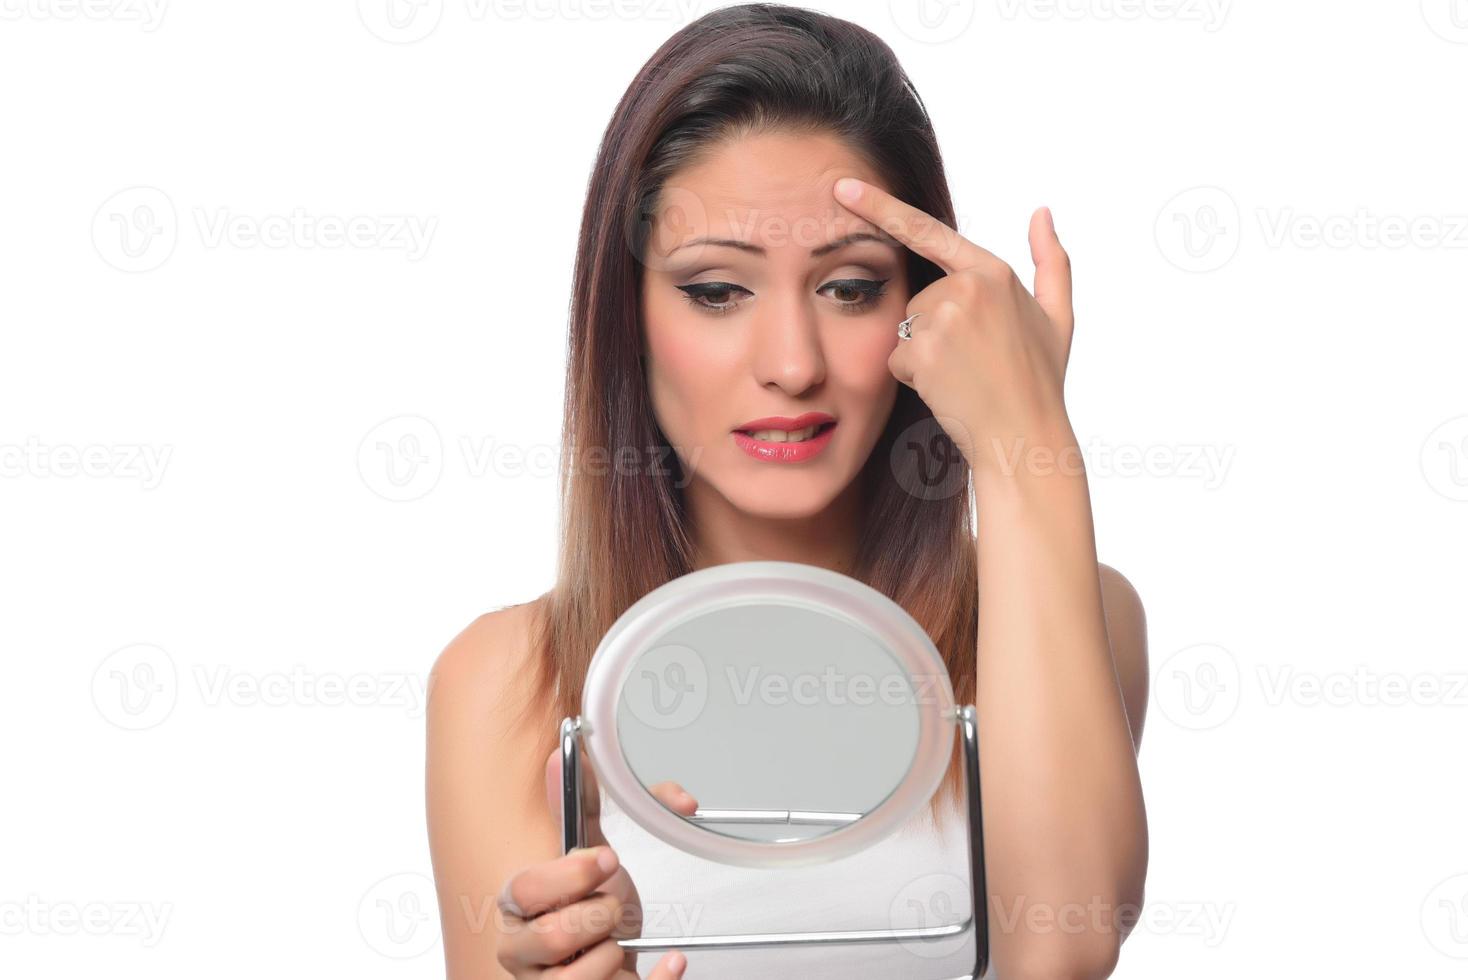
(739,69)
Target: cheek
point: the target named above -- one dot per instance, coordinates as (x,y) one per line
(687,371)
(860,360)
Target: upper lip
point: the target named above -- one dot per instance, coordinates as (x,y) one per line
(785,423)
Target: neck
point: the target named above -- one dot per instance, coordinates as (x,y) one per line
(722,533)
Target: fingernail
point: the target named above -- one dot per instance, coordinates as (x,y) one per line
(607,860)
(848,189)
(676,962)
(1050,220)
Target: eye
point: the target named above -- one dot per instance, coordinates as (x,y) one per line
(851,295)
(714,292)
(863,293)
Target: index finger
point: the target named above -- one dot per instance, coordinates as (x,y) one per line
(913,227)
(672,795)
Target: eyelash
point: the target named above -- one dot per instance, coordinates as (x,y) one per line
(871,290)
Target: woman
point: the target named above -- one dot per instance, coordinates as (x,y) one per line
(768,204)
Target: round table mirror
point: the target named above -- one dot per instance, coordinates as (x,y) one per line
(768,714)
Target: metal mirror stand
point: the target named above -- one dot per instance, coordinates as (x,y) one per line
(573,835)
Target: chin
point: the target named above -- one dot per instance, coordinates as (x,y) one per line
(787,502)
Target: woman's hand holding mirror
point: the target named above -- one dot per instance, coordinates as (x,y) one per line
(577,905)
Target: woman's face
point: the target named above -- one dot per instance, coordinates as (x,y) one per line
(782,325)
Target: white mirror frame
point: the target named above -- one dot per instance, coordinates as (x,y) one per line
(791,583)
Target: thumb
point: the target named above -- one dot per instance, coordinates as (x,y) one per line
(1052,271)
(670,967)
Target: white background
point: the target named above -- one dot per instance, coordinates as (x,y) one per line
(251,488)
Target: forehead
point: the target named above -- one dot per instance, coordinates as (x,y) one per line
(771,189)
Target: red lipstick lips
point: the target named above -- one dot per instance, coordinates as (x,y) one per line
(786,452)
(784,423)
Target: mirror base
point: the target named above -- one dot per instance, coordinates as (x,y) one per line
(573,835)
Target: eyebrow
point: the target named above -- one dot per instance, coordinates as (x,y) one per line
(817,252)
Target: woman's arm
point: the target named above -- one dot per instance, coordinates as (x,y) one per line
(493,785)
(486,806)
(1064,823)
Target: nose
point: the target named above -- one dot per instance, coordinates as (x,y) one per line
(786,343)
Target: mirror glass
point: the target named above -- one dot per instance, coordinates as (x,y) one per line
(781,722)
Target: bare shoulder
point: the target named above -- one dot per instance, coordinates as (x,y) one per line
(483,716)
(486,663)
(482,710)
(1126,624)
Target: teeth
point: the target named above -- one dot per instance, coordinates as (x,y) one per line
(780,435)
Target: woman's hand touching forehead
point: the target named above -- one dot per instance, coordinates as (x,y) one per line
(986,356)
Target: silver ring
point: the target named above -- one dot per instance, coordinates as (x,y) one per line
(904,329)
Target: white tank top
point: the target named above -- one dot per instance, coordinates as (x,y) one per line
(917,876)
